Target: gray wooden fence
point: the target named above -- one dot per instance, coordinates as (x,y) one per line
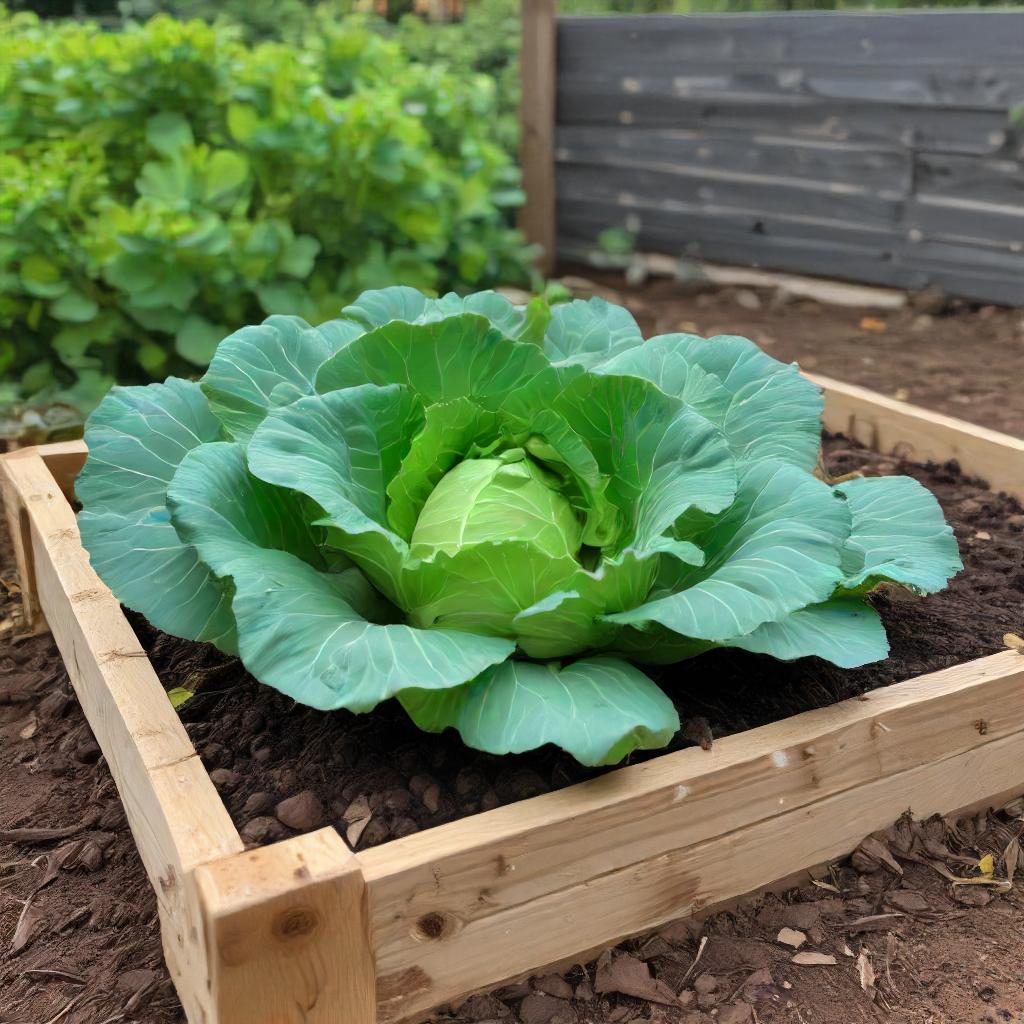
(873,147)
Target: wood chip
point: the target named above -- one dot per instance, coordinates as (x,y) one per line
(48,974)
(631,977)
(1014,642)
(791,937)
(866,973)
(810,959)
(1011,858)
(355,831)
(874,923)
(29,921)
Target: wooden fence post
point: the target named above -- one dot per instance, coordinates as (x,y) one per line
(287,933)
(537,120)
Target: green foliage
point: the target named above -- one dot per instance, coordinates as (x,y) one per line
(164,184)
(489,511)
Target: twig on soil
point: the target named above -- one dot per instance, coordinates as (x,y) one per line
(41,835)
(696,960)
(48,974)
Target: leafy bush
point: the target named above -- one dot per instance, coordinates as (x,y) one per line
(163,185)
(439,500)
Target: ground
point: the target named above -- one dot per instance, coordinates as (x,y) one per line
(78,933)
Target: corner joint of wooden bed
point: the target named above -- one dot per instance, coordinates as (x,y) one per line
(287,934)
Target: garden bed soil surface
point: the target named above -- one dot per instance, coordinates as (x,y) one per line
(282,767)
(79,940)
(943,354)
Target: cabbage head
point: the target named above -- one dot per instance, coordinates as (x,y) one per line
(494,514)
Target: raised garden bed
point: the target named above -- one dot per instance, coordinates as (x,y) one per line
(304,929)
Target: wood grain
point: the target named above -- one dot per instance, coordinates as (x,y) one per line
(537,120)
(466,952)
(175,814)
(287,925)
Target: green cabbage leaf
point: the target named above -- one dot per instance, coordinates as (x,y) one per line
(495,514)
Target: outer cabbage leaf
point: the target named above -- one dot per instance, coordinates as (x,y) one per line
(845,630)
(458,357)
(260,367)
(137,438)
(380,306)
(298,632)
(899,535)
(224,511)
(776,550)
(660,458)
(598,709)
(342,450)
(589,332)
(765,408)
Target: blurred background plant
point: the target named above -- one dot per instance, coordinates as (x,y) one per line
(166,182)
(173,169)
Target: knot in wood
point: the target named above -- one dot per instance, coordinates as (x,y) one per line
(435,925)
(295,923)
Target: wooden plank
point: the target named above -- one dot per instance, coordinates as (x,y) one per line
(780,81)
(729,236)
(664,188)
(596,100)
(173,809)
(891,427)
(287,927)
(478,901)
(703,152)
(64,460)
(968,219)
(905,39)
(987,180)
(20,531)
(798,244)
(537,120)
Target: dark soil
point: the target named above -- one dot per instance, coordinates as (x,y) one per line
(943,354)
(78,923)
(87,949)
(282,767)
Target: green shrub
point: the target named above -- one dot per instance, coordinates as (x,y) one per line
(165,184)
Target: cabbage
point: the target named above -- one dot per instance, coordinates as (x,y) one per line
(493,514)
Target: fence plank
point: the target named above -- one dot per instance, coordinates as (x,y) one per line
(875,146)
(537,144)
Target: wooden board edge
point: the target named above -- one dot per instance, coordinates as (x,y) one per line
(287,929)
(175,814)
(20,532)
(891,427)
(463,956)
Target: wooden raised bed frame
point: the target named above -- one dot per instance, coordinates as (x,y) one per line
(305,930)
